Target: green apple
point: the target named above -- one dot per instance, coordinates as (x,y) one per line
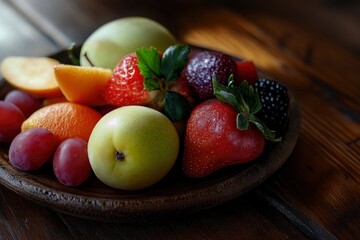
(133,147)
(110,42)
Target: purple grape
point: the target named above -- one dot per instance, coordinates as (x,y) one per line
(26,102)
(31,149)
(71,163)
(11,118)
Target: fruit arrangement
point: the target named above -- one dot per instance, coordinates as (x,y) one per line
(130,108)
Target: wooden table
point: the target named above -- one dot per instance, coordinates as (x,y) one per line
(314,50)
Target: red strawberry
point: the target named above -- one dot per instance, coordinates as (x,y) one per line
(149,78)
(224,131)
(246,71)
(126,85)
(212,140)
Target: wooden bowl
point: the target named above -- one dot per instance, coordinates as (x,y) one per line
(175,195)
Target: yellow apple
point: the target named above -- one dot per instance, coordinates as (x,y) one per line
(133,147)
(113,40)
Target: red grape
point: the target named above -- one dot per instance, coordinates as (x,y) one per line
(71,163)
(26,102)
(11,118)
(31,149)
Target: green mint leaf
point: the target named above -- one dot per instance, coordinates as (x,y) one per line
(173,61)
(176,107)
(242,121)
(149,62)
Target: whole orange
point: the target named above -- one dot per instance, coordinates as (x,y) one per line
(65,120)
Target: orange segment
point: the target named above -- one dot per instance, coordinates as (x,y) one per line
(34,75)
(84,85)
(65,120)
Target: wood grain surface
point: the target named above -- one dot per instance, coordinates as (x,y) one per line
(312,47)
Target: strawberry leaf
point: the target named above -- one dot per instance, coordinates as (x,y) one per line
(268,133)
(173,61)
(225,94)
(176,107)
(250,96)
(242,122)
(247,102)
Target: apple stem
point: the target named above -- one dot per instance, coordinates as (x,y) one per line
(120,156)
(88,59)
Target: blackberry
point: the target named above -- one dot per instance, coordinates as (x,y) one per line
(275,103)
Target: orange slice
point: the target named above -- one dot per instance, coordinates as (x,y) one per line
(84,85)
(34,75)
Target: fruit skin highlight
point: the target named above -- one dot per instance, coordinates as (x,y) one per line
(109,43)
(133,147)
